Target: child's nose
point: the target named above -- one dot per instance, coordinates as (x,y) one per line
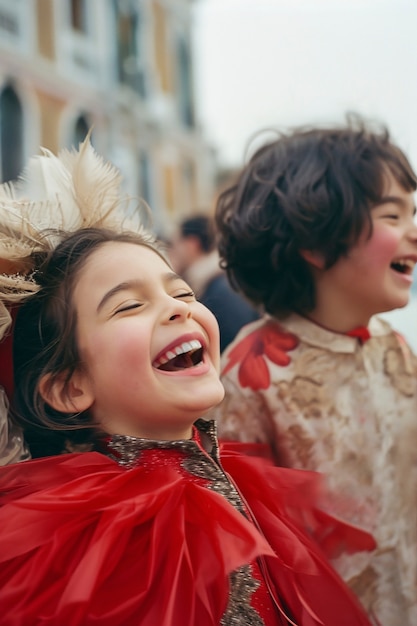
(413,230)
(179,310)
(177,316)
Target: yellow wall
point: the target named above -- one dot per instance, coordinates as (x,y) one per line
(162,58)
(45,27)
(169,175)
(50,110)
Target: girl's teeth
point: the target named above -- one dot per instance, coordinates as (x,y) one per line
(185,347)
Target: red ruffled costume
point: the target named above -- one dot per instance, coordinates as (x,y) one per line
(155,533)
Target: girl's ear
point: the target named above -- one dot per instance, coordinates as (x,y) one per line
(313,258)
(73,396)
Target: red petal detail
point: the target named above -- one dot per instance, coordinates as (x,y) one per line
(277,355)
(270,340)
(254,373)
(274,333)
(286,342)
(242,349)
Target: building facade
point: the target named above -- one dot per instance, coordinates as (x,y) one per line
(121,67)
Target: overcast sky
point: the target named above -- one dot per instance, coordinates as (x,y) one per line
(262,63)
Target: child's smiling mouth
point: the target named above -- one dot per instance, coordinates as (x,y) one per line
(403,266)
(183,356)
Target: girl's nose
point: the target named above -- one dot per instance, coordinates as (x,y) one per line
(179,310)
(178,316)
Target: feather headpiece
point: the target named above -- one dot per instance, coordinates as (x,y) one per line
(54,194)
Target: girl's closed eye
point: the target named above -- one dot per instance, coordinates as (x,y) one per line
(188,294)
(127,306)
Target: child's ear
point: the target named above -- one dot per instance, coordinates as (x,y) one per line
(314,258)
(73,396)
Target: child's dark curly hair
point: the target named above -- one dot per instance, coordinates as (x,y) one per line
(310,190)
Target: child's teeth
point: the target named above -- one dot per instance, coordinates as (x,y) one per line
(187,346)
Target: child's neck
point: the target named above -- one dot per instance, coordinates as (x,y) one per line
(342,329)
(337,307)
(338,319)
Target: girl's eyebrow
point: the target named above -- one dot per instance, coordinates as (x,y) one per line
(129,285)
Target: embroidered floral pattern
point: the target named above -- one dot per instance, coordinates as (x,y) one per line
(346,409)
(271,341)
(395,367)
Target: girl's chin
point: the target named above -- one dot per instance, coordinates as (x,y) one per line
(206,401)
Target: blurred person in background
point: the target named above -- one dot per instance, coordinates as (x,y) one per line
(193,254)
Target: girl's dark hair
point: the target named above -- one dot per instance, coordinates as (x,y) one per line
(45,341)
(313,190)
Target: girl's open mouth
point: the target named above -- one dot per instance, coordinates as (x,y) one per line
(185,355)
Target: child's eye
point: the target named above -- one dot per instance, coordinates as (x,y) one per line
(128,307)
(188,294)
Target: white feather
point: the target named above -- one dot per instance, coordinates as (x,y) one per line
(55,194)
(96,185)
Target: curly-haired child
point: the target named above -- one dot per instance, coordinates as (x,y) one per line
(319,230)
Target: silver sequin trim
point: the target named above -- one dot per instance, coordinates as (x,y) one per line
(239,611)
(127,451)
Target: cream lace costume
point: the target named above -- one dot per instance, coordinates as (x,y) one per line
(75,189)
(329,402)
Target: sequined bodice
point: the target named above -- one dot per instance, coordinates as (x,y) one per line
(197,460)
